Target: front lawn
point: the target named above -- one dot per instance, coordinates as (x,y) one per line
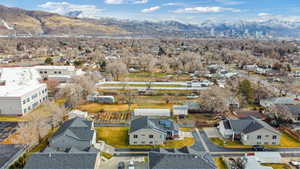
(287,141)
(228,143)
(220,163)
(118,138)
(278,166)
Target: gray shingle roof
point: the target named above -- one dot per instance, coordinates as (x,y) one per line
(180,161)
(61,161)
(76,132)
(249,124)
(73,123)
(151,123)
(294,109)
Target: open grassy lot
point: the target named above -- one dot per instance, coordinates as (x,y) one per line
(286,141)
(220,163)
(278,166)
(94,107)
(118,137)
(147,76)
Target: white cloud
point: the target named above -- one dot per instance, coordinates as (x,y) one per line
(230,2)
(114,1)
(263,14)
(117,2)
(173,4)
(63,8)
(152,9)
(140,1)
(209,9)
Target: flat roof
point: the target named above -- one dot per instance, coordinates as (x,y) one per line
(69,68)
(19,76)
(18,91)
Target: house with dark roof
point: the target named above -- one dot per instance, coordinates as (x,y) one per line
(250,131)
(59,160)
(152,131)
(158,160)
(76,133)
(292,110)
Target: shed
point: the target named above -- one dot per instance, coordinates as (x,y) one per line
(180,110)
(152,112)
(77,113)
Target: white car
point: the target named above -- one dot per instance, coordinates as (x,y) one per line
(131,165)
(295,163)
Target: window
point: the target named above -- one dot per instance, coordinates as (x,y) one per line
(54,72)
(28,99)
(274,137)
(135,142)
(259,137)
(41,72)
(266,143)
(151,142)
(59,72)
(24,101)
(143,142)
(258,143)
(135,136)
(274,143)
(150,136)
(267,135)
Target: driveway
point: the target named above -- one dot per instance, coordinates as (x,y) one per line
(212,132)
(139,162)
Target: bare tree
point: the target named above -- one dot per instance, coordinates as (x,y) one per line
(116,69)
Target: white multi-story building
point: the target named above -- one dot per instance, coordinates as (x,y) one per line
(20,91)
(59,73)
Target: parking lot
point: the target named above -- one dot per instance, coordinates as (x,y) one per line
(139,162)
(6,129)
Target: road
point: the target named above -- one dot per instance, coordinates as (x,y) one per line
(204,144)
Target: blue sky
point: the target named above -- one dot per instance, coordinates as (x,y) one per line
(192,11)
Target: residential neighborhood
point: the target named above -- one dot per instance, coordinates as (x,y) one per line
(122,102)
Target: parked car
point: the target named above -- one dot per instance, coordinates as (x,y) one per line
(295,163)
(131,165)
(258,148)
(121,165)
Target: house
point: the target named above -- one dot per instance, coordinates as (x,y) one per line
(249,67)
(58,160)
(158,160)
(10,153)
(20,91)
(293,110)
(150,131)
(250,131)
(152,112)
(250,162)
(193,107)
(77,113)
(232,103)
(95,97)
(58,73)
(76,133)
(278,100)
(180,110)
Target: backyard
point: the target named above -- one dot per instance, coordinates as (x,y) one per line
(118,137)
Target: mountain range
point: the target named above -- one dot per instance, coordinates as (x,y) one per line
(20,21)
